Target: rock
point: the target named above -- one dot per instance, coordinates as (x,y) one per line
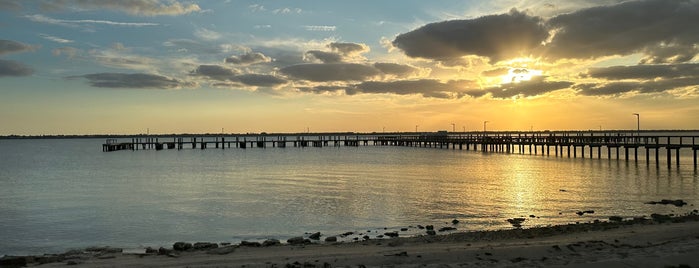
(444,229)
(46,259)
(589,211)
(677,203)
(150,250)
(403,229)
(221,251)
(204,246)
(455,221)
(250,244)
(347,234)
(580,213)
(296,241)
(532,216)
(13,261)
(420,227)
(660,217)
(181,246)
(616,218)
(331,239)
(271,242)
(516,220)
(366,237)
(431,232)
(429,227)
(315,236)
(391,234)
(164,251)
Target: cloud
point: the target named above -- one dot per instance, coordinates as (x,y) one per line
(215,72)
(645,72)
(287,10)
(399,70)
(12,5)
(69,52)
(662,31)
(500,71)
(55,39)
(259,80)
(320,28)
(330,72)
(348,48)
(496,37)
(248,58)
(133,80)
(640,78)
(133,7)
(536,86)
(425,87)
(207,34)
(188,45)
(9,46)
(73,23)
(650,26)
(324,57)
(618,88)
(13,68)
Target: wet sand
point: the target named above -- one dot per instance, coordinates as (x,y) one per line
(633,243)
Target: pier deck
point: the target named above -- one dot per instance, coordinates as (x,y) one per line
(545,143)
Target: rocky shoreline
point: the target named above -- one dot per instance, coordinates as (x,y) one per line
(390,238)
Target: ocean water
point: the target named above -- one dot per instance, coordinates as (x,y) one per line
(63,194)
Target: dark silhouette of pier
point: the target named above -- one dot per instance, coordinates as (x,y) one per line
(559,143)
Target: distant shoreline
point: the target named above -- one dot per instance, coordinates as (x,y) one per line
(185,135)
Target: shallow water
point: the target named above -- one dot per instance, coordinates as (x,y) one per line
(62,194)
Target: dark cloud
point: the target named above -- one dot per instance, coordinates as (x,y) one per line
(348,48)
(650,86)
(221,73)
(645,72)
(626,28)
(259,80)
(248,58)
(534,87)
(330,72)
(323,89)
(496,37)
(13,68)
(425,87)
(400,70)
(215,72)
(9,46)
(325,57)
(134,80)
(496,72)
(675,53)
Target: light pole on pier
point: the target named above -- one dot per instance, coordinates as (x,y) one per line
(453,127)
(638,123)
(484,124)
(416,128)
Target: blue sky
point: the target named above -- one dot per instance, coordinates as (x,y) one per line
(91,66)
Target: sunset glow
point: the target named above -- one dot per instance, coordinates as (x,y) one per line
(77,67)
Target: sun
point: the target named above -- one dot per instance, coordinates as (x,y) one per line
(516,75)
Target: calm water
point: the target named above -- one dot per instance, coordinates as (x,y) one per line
(61,194)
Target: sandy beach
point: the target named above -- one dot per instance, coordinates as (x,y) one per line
(632,243)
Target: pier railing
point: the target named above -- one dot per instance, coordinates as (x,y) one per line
(562,143)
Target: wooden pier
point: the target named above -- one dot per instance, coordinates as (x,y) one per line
(559,144)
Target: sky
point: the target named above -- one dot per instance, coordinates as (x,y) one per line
(175,66)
